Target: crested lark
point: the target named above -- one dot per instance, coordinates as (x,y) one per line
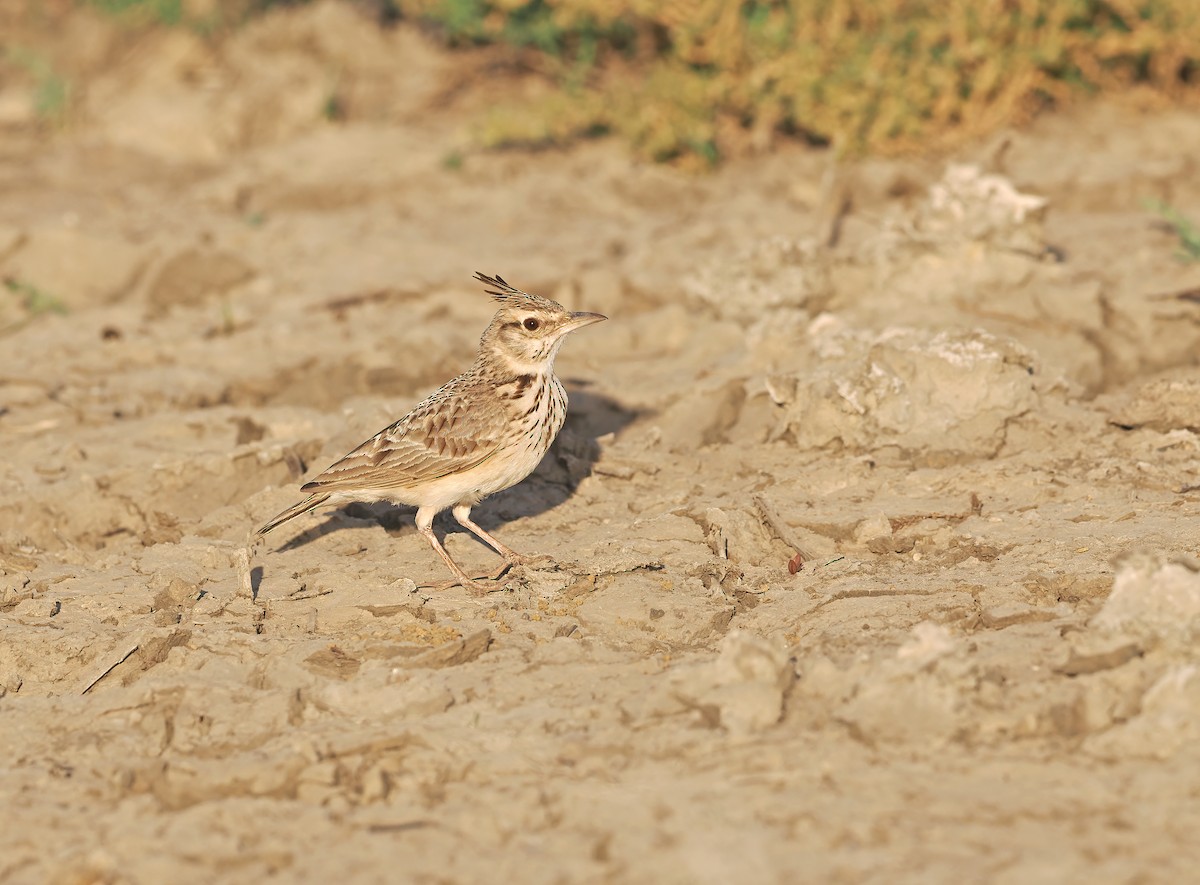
(481,433)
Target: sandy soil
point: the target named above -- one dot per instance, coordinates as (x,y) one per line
(968,391)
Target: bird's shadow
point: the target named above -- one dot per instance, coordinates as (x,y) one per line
(590,416)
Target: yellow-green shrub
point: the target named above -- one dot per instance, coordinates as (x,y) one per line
(702,78)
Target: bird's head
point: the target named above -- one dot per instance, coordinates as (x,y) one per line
(528,330)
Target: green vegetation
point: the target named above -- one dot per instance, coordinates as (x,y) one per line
(163,12)
(1187,232)
(333,107)
(223,15)
(31,302)
(34,300)
(701,79)
(51,91)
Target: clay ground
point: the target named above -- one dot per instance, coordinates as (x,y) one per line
(971,396)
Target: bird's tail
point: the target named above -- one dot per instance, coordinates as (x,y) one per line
(312,502)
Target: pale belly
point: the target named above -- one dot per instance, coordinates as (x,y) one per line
(501,472)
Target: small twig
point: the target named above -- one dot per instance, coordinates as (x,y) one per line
(865,594)
(245,580)
(782,530)
(118,662)
(296,597)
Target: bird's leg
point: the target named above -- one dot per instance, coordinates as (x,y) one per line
(462,513)
(425,527)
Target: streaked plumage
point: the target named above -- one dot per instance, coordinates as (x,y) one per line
(480,433)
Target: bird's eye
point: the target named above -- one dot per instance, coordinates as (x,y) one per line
(531,324)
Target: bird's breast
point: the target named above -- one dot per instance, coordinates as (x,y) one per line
(537,412)
(530,411)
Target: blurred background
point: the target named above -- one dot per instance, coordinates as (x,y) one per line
(689,82)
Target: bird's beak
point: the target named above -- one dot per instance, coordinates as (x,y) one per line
(581,318)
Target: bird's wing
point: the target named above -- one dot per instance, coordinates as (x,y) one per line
(441,436)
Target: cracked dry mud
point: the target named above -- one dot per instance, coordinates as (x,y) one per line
(971,399)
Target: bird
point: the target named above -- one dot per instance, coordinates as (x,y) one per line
(479,433)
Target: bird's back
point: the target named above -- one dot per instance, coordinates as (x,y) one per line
(476,419)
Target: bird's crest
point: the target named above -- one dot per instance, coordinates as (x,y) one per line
(501,291)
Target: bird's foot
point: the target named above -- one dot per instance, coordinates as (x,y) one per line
(499,571)
(471,585)
(475,588)
(540,561)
